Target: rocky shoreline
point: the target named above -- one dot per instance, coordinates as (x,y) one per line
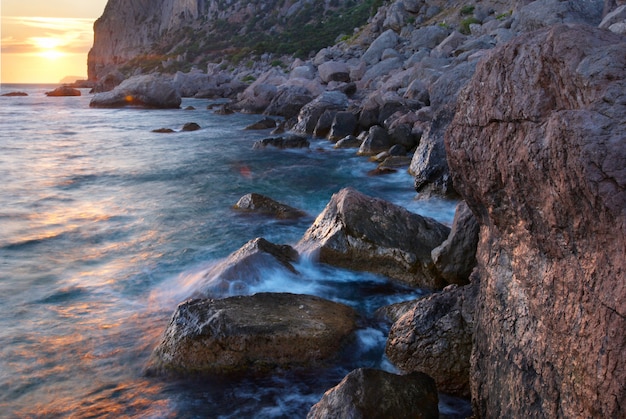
(521,116)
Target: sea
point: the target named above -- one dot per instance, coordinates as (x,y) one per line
(105,226)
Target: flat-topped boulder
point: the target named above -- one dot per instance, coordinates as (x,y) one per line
(146,91)
(62,91)
(252,334)
(363,233)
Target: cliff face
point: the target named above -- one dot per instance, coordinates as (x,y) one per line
(538,150)
(167,29)
(129,28)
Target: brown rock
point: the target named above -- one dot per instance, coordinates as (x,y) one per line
(191,126)
(456,257)
(261,204)
(368,234)
(538,150)
(435,337)
(369,393)
(255,333)
(14,94)
(63,91)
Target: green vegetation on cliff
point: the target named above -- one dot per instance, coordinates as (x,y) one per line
(311,28)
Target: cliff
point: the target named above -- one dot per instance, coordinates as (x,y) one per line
(155,34)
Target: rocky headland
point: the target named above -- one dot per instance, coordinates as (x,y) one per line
(514,107)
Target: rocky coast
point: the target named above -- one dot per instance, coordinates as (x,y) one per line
(516,109)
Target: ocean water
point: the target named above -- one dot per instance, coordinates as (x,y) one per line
(106,226)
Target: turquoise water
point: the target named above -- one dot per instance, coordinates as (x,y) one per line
(105,226)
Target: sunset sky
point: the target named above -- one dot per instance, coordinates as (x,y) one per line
(44,41)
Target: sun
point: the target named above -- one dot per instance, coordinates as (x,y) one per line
(48,47)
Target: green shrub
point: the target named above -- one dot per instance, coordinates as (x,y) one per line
(467,10)
(465,25)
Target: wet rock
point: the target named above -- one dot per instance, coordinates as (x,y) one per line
(324,123)
(311,112)
(63,91)
(265,123)
(191,126)
(359,232)
(348,142)
(538,150)
(435,337)
(147,91)
(252,334)
(14,94)
(261,204)
(163,130)
(288,141)
(369,393)
(456,257)
(344,124)
(246,268)
(289,101)
(377,140)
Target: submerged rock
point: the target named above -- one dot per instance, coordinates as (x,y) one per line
(261,204)
(288,141)
(14,94)
(252,334)
(191,126)
(359,232)
(368,393)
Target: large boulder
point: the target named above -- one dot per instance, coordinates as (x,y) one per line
(434,336)
(368,393)
(246,268)
(334,71)
(148,91)
(311,112)
(456,257)
(538,149)
(387,39)
(258,96)
(359,232)
(288,101)
(247,334)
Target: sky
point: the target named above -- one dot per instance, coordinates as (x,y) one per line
(45,41)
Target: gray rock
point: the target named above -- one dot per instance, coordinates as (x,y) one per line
(310,113)
(324,123)
(344,124)
(303,72)
(376,141)
(367,393)
(387,39)
(396,16)
(257,333)
(149,91)
(456,257)
(544,13)
(260,204)
(435,337)
(265,123)
(428,37)
(368,234)
(334,71)
(289,101)
(348,142)
(288,141)
(382,68)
